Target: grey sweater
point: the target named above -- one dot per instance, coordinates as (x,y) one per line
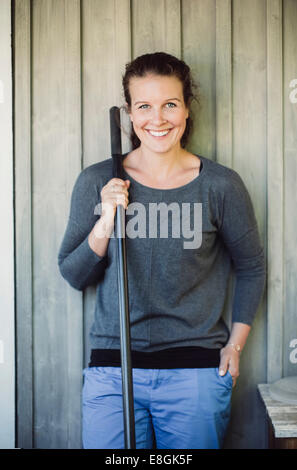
(177,284)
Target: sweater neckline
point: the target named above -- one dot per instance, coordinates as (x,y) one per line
(178,188)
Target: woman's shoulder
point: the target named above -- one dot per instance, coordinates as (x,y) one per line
(103,167)
(221,177)
(95,173)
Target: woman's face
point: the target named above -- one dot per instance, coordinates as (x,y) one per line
(158,111)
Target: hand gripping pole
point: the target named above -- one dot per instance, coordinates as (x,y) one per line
(126,364)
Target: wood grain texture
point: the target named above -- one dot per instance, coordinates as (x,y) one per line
(290,177)
(224,151)
(156,27)
(56,147)
(69,60)
(282,415)
(199,51)
(275,188)
(23,218)
(105,50)
(223,102)
(249,160)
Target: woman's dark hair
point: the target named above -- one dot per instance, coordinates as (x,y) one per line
(161,63)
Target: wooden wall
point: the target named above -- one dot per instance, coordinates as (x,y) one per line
(69,56)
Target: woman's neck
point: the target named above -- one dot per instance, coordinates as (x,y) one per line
(161,165)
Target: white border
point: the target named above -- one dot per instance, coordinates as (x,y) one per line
(7,301)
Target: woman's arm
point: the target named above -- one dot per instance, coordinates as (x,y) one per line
(82,257)
(79,264)
(239,230)
(229,356)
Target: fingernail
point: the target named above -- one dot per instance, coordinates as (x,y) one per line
(221,372)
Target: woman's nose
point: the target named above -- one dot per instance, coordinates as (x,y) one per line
(158,117)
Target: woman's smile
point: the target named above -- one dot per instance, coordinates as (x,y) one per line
(158,134)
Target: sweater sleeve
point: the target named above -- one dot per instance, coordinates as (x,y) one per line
(79,265)
(239,230)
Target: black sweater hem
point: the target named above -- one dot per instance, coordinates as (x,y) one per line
(173,358)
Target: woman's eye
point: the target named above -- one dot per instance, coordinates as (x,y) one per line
(168,105)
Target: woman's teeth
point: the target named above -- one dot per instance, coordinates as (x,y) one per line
(159,134)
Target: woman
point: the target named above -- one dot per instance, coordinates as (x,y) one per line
(185,360)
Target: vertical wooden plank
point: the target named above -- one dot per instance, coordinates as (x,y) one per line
(7,310)
(156,27)
(206,40)
(56,144)
(199,51)
(249,159)
(106,48)
(72,302)
(224,83)
(223,101)
(275,201)
(23,233)
(290,194)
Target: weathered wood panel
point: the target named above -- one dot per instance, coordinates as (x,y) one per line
(249,160)
(23,218)
(223,102)
(105,50)
(290,193)
(275,184)
(56,150)
(283,415)
(156,27)
(69,61)
(199,51)
(224,151)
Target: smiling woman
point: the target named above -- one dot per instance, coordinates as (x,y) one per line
(159,122)
(158,92)
(185,360)
(159,65)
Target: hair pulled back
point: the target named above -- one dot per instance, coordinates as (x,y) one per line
(160,63)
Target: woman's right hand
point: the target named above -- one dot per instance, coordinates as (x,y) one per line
(114,193)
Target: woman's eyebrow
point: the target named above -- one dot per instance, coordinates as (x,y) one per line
(168,99)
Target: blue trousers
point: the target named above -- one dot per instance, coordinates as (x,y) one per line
(174,408)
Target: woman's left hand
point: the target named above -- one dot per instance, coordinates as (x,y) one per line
(229,361)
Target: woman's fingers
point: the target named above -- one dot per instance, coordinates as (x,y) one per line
(229,361)
(223,368)
(114,193)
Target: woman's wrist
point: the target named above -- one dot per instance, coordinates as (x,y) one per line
(238,337)
(100,235)
(104,227)
(235,346)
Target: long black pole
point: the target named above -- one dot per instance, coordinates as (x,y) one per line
(126,364)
